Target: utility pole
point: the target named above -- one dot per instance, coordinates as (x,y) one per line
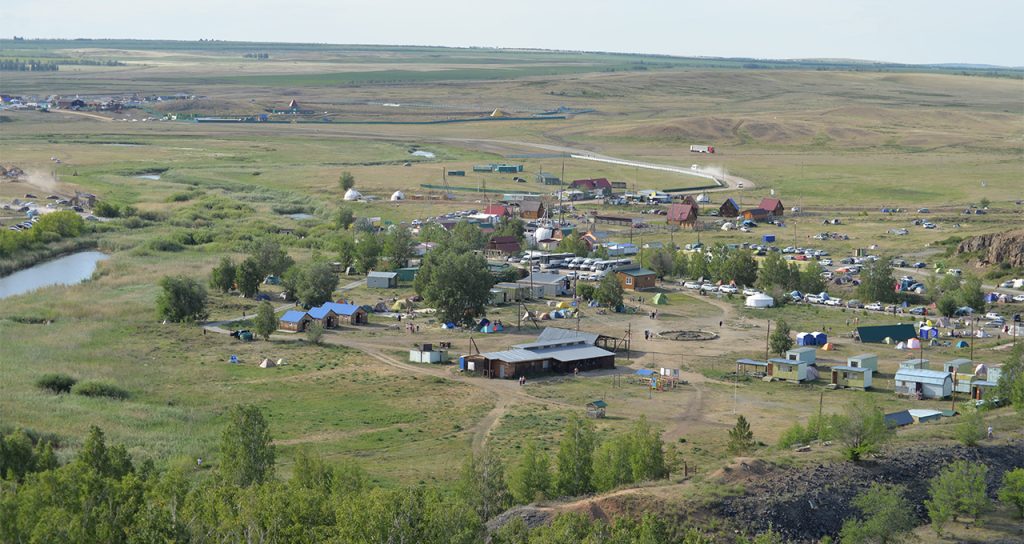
(973,321)
(767,340)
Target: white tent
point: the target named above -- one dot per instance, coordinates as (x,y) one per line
(352,194)
(703,198)
(728,226)
(397,195)
(760,300)
(913,343)
(267,363)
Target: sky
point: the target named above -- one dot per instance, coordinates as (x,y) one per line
(907,31)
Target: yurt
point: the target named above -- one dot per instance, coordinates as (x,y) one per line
(913,343)
(759,300)
(352,194)
(397,195)
(703,198)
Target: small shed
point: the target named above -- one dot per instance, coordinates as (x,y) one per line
(382,280)
(960,366)
(851,377)
(915,364)
(637,279)
(864,360)
(294,320)
(924,416)
(425,353)
(820,338)
(923,384)
(789,370)
(982,389)
(803,355)
(596,408)
(407,274)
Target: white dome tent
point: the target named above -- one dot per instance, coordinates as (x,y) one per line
(397,195)
(542,233)
(352,194)
(760,300)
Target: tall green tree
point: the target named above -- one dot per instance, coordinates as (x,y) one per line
(398,244)
(456,284)
(862,430)
(971,428)
(222,277)
(698,266)
(810,278)
(530,480)
(315,333)
(646,456)
(311,284)
(877,282)
(959,490)
(774,272)
(573,244)
(661,262)
(971,294)
(609,291)
(270,258)
(368,249)
(887,516)
(246,450)
(741,438)
(741,267)
(344,218)
(346,180)
(465,237)
(1011,381)
(1012,490)
(779,341)
(181,299)
(248,277)
(265,322)
(611,464)
(512,226)
(482,484)
(575,458)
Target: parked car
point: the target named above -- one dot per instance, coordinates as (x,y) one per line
(813,299)
(920,310)
(993,315)
(854,304)
(826,262)
(692,285)
(874,306)
(1018,298)
(919,265)
(747,291)
(709,288)
(728,289)
(834,302)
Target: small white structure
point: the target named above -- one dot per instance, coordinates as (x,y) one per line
(425,353)
(760,300)
(864,360)
(703,198)
(924,384)
(670,372)
(395,196)
(352,194)
(542,233)
(728,226)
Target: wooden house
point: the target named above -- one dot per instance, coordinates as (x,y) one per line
(755,214)
(864,360)
(923,384)
(502,246)
(729,208)
(349,314)
(531,209)
(637,279)
(851,377)
(563,355)
(682,215)
(294,321)
(772,206)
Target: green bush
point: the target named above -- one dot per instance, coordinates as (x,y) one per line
(163,244)
(180,197)
(100,389)
(57,383)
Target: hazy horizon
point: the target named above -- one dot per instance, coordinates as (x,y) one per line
(910,32)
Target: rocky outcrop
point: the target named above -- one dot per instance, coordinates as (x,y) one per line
(1001,247)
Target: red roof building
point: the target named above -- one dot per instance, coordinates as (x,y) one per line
(773,206)
(682,215)
(597,185)
(497,209)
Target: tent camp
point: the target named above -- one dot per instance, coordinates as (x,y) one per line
(352,194)
(760,300)
(397,195)
(660,298)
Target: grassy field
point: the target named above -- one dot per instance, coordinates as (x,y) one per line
(837,144)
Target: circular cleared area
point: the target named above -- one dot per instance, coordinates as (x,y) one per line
(687,336)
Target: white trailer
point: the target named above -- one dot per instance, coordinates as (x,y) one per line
(702,149)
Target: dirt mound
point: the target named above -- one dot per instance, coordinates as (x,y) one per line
(807,503)
(1001,247)
(741,471)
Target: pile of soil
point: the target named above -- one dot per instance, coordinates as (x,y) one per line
(807,503)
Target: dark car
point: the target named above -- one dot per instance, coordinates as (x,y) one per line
(918,311)
(919,265)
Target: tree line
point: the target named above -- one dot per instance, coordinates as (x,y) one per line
(28,65)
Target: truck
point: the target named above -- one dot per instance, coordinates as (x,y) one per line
(702,149)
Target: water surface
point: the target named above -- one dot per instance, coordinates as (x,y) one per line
(67,270)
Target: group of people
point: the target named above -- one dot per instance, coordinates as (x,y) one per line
(522,380)
(412,328)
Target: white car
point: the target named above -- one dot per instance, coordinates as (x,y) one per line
(993,315)
(1018,298)
(709,288)
(834,302)
(593,277)
(826,262)
(750,292)
(730,289)
(813,299)
(692,285)
(875,306)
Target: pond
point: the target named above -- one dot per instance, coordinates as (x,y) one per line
(421,153)
(154,177)
(300,216)
(67,270)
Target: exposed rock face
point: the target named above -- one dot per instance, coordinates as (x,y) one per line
(1002,247)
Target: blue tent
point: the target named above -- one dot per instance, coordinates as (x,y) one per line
(645,372)
(805,339)
(961,344)
(992,297)
(820,338)
(928,332)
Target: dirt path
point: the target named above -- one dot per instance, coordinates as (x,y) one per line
(83,114)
